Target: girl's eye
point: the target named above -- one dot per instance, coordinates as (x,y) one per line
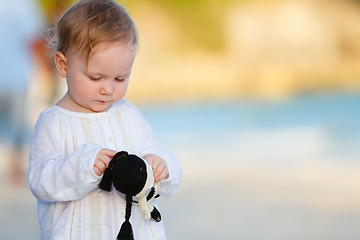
(94,78)
(119,79)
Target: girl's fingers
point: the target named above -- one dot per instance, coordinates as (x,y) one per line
(158,165)
(97,171)
(155,167)
(161,174)
(104,158)
(102,161)
(108,152)
(100,165)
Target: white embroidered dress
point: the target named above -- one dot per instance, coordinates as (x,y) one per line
(61,177)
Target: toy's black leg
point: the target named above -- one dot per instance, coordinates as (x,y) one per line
(155,215)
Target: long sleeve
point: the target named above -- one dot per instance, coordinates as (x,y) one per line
(54,176)
(62,154)
(150,146)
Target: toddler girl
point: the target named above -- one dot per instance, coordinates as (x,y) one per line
(74,140)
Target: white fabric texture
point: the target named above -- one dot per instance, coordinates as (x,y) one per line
(61,177)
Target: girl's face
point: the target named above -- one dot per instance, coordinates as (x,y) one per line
(101,83)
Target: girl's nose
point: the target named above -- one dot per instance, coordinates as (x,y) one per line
(107,88)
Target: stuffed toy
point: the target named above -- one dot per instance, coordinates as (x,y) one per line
(133,177)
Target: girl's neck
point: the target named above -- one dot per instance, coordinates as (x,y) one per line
(68,103)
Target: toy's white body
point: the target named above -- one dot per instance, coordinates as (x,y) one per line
(145,207)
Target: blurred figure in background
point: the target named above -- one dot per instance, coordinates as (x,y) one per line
(46,86)
(20,23)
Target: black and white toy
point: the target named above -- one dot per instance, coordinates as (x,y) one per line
(133,177)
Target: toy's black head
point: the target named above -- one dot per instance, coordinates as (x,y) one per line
(129,174)
(126,172)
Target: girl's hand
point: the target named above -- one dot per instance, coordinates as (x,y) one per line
(102,160)
(158,165)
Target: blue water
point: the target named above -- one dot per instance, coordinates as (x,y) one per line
(338,113)
(335,116)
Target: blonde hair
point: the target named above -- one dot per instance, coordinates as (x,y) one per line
(90,22)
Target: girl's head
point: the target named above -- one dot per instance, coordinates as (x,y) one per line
(96,44)
(90,22)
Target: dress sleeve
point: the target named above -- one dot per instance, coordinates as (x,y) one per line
(54,176)
(150,146)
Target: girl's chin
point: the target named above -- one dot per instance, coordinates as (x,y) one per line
(93,109)
(98,109)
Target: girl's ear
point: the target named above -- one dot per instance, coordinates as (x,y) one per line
(60,63)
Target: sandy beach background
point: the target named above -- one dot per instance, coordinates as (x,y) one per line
(258,99)
(252,170)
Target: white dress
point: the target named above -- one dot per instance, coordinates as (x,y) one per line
(61,177)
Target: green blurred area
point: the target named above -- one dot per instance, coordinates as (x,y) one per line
(201,23)
(199,18)
(257,48)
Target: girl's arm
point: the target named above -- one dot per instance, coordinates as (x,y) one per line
(54,176)
(171,184)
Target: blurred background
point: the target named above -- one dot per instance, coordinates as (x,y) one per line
(259,99)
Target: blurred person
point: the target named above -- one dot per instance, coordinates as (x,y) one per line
(46,86)
(19,26)
(73,142)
